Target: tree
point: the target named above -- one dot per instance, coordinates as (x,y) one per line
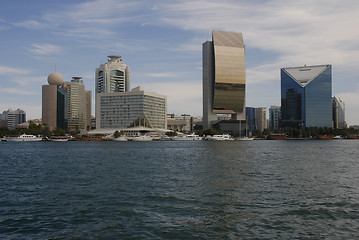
(116,134)
(59,132)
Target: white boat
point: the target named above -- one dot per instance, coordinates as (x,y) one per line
(188,137)
(164,138)
(24,138)
(337,137)
(119,139)
(245,139)
(58,139)
(223,137)
(142,138)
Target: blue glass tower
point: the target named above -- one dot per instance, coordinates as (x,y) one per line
(306,94)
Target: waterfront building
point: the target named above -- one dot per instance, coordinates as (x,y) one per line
(54,113)
(274,117)
(78,105)
(261,118)
(306,94)
(12,118)
(113,76)
(183,123)
(224,79)
(338,113)
(134,108)
(251,118)
(66,105)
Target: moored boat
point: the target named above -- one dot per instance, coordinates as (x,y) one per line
(142,138)
(58,139)
(223,137)
(245,139)
(24,138)
(277,136)
(188,137)
(119,139)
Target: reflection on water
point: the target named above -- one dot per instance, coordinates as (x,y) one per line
(181,190)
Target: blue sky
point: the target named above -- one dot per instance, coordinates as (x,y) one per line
(161,41)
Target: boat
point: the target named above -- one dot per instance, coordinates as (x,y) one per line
(24,138)
(245,138)
(164,138)
(223,137)
(277,136)
(142,138)
(58,138)
(338,137)
(188,137)
(325,137)
(120,139)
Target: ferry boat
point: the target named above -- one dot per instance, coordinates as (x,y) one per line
(142,138)
(245,138)
(119,139)
(58,139)
(24,138)
(223,137)
(188,137)
(277,136)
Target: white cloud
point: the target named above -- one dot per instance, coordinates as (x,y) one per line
(162,74)
(44,49)
(30,81)
(16,91)
(4,70)
(182,97)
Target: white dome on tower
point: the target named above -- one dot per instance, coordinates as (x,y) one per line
(55,78)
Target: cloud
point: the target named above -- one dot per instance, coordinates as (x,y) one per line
(182,97)
(16,91)
(44,49)
(4,70)
(30,81)
(162,75)
(31,24)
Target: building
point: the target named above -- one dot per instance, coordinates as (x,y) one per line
(120,110)
(306,95)
(12,118)
(274,117)
(78,105)
(224,79)
(338,113)
(183,123)
(113,76)
(251,118)
(66,105)
(261,118)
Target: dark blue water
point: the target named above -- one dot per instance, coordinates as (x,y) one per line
(180,190)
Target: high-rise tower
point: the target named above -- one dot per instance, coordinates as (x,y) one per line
(113,76)
(224,77)
(306,96)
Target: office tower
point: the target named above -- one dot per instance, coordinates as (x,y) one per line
(251,118)
(274,117)
(54,102)
(306,95)
(224,77)
(131,109)
(261,118)
(338,113)
(11,118)
(113,76)
(78,114)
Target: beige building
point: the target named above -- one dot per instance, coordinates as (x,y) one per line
(224,77)
(261,118)
(120,110)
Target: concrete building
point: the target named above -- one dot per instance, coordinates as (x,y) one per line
(118,110)
(338,113)
(224,79)
(12,118)
(66,105)
(78,105)
(306,96)
(183,123)
(113,76)
(261,118)
(274,117)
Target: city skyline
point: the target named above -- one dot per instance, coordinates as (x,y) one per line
(161,42)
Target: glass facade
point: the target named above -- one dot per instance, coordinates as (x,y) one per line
(251,118)
(306,98)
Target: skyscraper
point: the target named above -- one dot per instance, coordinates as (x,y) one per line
(12,118)
(224,77)
(113,76)
(261,118)
(338,113)
(77,105)
(306,94)
(274,117)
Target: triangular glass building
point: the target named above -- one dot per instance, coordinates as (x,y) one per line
(306,94)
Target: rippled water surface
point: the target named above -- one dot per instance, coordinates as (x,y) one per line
(180,190)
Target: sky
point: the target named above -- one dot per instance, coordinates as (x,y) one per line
(161,41)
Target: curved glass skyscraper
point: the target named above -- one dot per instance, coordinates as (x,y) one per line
(306,96)
(224,77)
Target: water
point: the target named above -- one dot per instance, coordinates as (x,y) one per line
(180,190)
